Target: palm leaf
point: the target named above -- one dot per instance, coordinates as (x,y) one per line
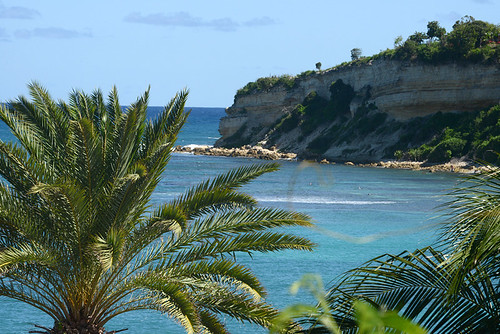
(415,284)
(78,239)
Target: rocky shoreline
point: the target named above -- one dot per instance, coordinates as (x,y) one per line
(244,151)
(258,152)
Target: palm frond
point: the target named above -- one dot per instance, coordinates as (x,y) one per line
(211,323)
(471,235)
(25,253)
(415,284)
(239,306)
(78,239)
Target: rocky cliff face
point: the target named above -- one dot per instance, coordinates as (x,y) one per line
(402,90)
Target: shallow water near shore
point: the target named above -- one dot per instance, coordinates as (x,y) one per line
(360,213)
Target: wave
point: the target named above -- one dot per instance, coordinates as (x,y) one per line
(315,200)
(192,146)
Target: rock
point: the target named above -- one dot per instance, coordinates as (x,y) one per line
(400,89)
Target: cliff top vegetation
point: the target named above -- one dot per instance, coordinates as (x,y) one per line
(470,41)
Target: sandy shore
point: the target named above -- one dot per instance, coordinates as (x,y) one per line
(454,166)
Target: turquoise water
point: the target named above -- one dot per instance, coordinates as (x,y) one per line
(360,213)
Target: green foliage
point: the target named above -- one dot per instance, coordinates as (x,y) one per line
(369,319)
(470,40)
(375,321)
(470,234)
(320,144)
(306,74)
(442,136)
(398,41)
(80,240)
(356,53)
(313,111)
(451,290)
(434,30)
(320,312)
(417,37)
(341,96)
(446,149)
(370,122)
(288,122)
(469,34)
(266,83)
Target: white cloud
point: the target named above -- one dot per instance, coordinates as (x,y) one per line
(17,12)
(51,33)
(260,21)
(184,19)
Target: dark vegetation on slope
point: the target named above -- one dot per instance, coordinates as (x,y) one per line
(475,135)
(434,138)
(470,41)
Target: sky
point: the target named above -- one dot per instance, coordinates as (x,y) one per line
(213,48)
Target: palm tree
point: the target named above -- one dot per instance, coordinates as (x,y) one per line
(453,288)
(79,240)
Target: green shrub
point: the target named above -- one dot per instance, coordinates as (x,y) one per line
(288,122)
(488,150)
(306,74)
(320,144)
(267,83)
(341,96)
(445,150)
(314,111)
(370,123)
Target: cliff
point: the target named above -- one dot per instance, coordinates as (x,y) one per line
(389,92)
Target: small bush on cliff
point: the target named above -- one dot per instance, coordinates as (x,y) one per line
(290,121)
(341,96)
(446,149)
(315,112)
(266,83)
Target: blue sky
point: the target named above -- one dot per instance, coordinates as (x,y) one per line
(211,47)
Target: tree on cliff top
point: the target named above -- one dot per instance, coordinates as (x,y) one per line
(79,241)
(434,30)
(355,53)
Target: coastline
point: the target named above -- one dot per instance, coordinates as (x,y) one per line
(258,152)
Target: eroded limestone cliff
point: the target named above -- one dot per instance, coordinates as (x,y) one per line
(402,90)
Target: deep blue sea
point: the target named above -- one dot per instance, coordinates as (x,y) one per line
(360,213)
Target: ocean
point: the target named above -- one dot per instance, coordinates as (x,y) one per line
(359,213)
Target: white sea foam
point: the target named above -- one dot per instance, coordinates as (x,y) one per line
(315,200)
(193,146)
